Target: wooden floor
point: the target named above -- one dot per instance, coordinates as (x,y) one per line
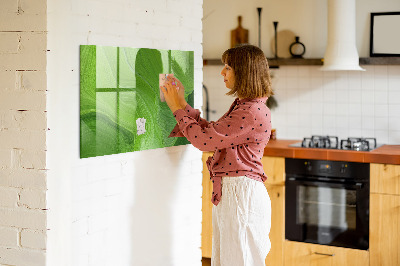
(206,261)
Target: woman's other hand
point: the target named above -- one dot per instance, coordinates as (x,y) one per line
(174,94)
(181,92)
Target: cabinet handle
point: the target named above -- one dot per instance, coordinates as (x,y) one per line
(324,254)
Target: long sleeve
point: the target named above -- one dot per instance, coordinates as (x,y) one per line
(193,113)
(230,131)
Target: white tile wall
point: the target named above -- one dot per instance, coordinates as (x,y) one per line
(312,102)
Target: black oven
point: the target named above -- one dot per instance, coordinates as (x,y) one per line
(327,202)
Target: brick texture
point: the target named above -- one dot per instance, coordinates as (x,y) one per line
(9,237)
(33,239)
(23,125)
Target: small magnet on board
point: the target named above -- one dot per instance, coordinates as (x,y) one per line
(141,126)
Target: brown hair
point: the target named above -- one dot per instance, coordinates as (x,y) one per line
(250,66)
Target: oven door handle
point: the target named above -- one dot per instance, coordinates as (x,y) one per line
(352,185)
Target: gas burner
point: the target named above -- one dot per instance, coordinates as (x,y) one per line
(358,144)
(327,142)
(332,142)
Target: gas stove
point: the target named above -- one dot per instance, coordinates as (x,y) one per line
(332,142)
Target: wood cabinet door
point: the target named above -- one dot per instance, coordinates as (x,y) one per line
(277,233)
(385,178)
(384,236)
(274,168)
(206,225)
(304,254)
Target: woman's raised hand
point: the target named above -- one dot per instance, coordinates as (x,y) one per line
(174,94)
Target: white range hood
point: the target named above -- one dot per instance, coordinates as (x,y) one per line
(341,51)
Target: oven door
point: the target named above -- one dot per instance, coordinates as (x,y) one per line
(327,213)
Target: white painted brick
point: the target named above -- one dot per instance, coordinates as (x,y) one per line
(9,42)
(198,78)
(9,237)
(31,55)
(8,6)
(31,80)
(196,10)
(33,239)
(33,199)
(23,139)
(98,222)
(17,256)
(190,22)
(22,218)
(23,62)
(197,166)
(5,158)
(79,176)
(154,32)
(176,7)
(23,100)
(149,5)
(167,19)
(127,169)
(8,197)
(34,120)
(7,80)
(23,6)
(33,159)
(113,170)
(23,178)
(196,37)
(34,7)
(114,186)
(12,21)
(80,227)
(97,173)
(16,158)
(97,252)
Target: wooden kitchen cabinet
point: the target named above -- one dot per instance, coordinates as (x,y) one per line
(274,168)
(384,236)
(206,225)
(385,215)
(305,254)
(385,178)
(277,233)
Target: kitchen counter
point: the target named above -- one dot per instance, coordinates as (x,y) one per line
(389,154)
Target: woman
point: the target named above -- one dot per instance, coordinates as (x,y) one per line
(242,208)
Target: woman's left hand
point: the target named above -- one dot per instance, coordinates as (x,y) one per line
(170,90)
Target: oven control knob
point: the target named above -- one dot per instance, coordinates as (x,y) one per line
(343,168)
(308,166)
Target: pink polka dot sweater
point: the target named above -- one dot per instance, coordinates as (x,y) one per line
(238,139)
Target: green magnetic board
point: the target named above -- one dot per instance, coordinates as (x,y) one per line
(119,90)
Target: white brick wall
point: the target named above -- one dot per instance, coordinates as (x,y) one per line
(23,132)
(140,208)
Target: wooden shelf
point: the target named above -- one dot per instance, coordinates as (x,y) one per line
(274,63)
(380,61)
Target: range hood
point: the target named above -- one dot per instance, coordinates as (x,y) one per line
(341,51)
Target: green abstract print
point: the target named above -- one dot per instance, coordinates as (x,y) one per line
(120,107)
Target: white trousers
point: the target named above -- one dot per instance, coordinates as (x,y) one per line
(241,223)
